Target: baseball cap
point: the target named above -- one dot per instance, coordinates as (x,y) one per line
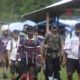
(15,31)
(54,25)
(35,29)
(30,28)
(77,26)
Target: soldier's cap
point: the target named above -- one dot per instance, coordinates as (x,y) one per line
(15,31)
(54,25)
(35,29)
(26,25)
(77,26)
(29,28)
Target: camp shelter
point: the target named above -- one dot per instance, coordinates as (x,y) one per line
(52,11)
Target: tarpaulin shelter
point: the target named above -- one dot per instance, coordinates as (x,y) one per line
(52,11)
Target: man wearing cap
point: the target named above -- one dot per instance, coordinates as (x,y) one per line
(72,51)
(52,45)
(29,50)
(12,51)
(24,32)
(3,52)
(39,36)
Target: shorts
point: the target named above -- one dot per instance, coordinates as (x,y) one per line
(24,65)
(4,59)
(72,65)
(13,68)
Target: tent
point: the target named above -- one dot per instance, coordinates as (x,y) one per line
(16,25)
(52,11)
(55,9)
(19,25)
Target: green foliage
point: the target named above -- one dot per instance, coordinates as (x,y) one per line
(11,10)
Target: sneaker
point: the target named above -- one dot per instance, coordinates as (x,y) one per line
(5,75)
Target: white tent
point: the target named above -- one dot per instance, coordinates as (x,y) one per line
(16,25)
(19,25)
(29,22)
(68,22)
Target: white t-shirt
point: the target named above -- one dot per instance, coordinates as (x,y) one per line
(14,48)
(72,47)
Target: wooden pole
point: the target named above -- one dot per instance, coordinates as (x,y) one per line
(47,24)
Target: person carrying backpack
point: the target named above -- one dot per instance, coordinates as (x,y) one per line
(53,48)
(12,51)
(71,56)
(29,51)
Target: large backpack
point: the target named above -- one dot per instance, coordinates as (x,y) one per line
(11,45)
(35,38)
(54,43)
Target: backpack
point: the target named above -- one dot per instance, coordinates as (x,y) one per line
(11,45)
(35,48)
(34,40)
(54,45)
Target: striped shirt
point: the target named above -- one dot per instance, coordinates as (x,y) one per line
(22,35)
(29,47)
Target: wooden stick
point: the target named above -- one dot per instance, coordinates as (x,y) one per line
(47,24)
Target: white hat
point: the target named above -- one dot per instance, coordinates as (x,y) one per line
(4,28)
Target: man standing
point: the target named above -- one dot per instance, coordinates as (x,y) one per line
(53,46)
(72,52)
(3,52)
(36,33)
(24,32)
(12,51)
(29,50)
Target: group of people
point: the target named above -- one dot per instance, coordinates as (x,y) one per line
(26,54)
